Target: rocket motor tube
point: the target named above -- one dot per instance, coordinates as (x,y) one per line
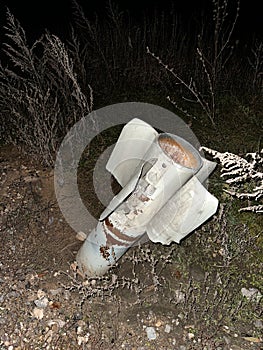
(175,162)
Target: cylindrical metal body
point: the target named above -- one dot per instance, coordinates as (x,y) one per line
(171,162)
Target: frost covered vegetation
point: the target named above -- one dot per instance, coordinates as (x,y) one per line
(245,176)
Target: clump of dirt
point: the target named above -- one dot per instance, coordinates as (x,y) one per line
(176,297)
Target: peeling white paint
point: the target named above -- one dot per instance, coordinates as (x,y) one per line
(162,195)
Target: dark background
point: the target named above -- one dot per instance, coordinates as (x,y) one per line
(36,16)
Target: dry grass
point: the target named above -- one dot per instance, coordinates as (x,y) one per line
(45,87)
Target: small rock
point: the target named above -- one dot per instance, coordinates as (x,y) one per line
(191,335)
(167,328)
(251,294)
(57,321)
(81,236)
(41,303)
(38,313)
(83,340)
(179,296)
(151,334)
(158,323)
(40,294)
(50,220)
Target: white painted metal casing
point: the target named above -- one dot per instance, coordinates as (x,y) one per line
(162,195)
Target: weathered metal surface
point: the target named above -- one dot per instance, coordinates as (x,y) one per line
(162,196)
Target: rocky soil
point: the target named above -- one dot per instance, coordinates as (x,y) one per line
(193,296)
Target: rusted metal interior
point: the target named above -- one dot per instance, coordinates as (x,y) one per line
(177,152)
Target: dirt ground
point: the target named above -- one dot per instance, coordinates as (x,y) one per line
(157,298)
